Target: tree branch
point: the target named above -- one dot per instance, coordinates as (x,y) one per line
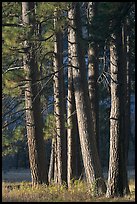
(12,25)
(13,121)
(13,68)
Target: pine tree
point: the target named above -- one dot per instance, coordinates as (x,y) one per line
(117,176)
(32,101)
(59,102)
(89,150)
(93,69)
(117,164)
(73,150)
(127,88)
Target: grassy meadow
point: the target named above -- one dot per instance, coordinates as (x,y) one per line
(79,192)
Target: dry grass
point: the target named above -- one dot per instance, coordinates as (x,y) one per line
(79,192)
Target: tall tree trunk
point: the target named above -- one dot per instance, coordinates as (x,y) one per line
(126,107)
(117,165)
(114,160)
(32,102)
(89,150)
(73,159)
(59,96)
(93,70)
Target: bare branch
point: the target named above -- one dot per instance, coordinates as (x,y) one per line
(43,39)
(12,108)
(13,68)
(13,121)
(12,25)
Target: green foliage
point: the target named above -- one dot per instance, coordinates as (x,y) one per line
(12,39)
(7,144)
(11,82)
(49,129)
(107,20)
(11,36)
(18,133)
(11,11)
(10,143)
(11,57)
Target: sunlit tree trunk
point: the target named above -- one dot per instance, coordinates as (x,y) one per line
(89,150)
(59,103)
(117,163)
(73,150)
(52,161)
(114,160)
(32,101)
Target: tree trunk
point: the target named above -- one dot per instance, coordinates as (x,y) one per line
(126,107)
(73,162)
(59,100)
(55,162)
(52,160)
(32,102)
(93,71)
(89,150)
(114,160)
(117,163)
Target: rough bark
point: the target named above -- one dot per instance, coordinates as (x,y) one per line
(93,71)
(126,108)
(52,160)
(113,175)
(73,150)
(55,162)
(117,164)
(59,103)
(32,102)
(89,150)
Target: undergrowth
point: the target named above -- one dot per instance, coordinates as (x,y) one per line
(78,192)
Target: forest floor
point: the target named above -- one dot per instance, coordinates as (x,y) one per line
(79,192)
(16,187)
